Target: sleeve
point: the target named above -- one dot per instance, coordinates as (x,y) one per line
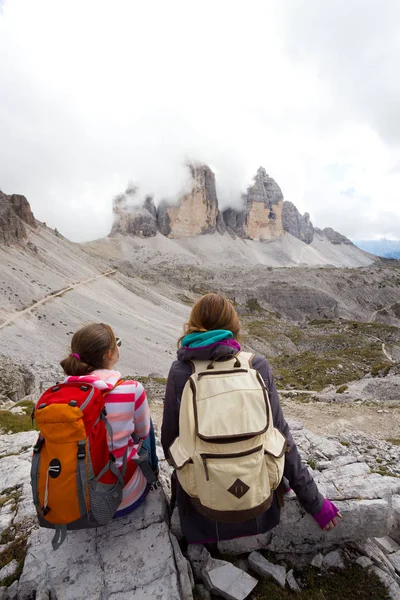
(170,422)
(296,471)
(142,412)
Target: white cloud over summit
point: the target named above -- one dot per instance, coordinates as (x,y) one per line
(94,94)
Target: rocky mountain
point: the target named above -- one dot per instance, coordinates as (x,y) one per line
(261,216)
(15,214)
(264,215)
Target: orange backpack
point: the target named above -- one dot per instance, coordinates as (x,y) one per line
(75,482)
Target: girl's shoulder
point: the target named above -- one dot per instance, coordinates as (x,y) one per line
(126,387)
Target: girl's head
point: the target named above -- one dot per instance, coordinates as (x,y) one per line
(92,347)
(213,311)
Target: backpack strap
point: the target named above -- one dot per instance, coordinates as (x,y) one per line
(59,536)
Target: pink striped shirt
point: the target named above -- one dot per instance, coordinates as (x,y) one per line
(127,412)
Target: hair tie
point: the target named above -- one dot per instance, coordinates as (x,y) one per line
(76,356)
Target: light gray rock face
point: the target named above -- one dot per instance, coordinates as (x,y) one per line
(16,381)
(230,582)
(266,569)
(131,557)
(298,225)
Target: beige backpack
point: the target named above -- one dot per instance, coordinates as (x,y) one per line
(229,457)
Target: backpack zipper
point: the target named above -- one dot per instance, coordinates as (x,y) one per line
(205,457)
(233,371)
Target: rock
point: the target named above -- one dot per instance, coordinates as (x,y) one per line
(245,544)
(291,581)
(8,569)
(297,225)
(16,381)
(175,524)
(364,562)
(333,560)
(317,561)
(369,548)
(263,209)
(105,561)
(15,214)
(266,569)
(196,213)
(12,591)
(186,581)
(132,218)
(395,560)
(198,557)
(388,582)
(230,582)
(298,532)
(387,545)
(334,237)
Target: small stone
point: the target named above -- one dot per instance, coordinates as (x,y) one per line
(333,560)
(230,582)
(395,560)
(291,581)
(317,561)
(387,545)
(266,569)
(364,562)
(8,569)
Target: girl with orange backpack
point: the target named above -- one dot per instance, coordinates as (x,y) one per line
(87,464)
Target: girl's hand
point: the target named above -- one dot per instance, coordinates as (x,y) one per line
(332,524)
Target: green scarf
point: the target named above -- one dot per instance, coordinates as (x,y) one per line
(205,338)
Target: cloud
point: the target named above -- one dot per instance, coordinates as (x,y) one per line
(95,94)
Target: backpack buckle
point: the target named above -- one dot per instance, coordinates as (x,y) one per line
(38,446)
(81,450)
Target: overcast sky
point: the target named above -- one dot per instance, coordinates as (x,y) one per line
(95,94)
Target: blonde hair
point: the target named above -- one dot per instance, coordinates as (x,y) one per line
(212,311)
(88,347)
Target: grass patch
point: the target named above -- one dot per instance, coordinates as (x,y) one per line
(384,471)
(342,389)
(394,441)
(253,305)
(15,423)
(17,543)
(15,551)
(315,370)
(347,444)
(311,463)
(353,583)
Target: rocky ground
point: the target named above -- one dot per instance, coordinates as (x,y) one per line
(295,559)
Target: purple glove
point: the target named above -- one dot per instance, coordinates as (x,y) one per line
(326,514)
